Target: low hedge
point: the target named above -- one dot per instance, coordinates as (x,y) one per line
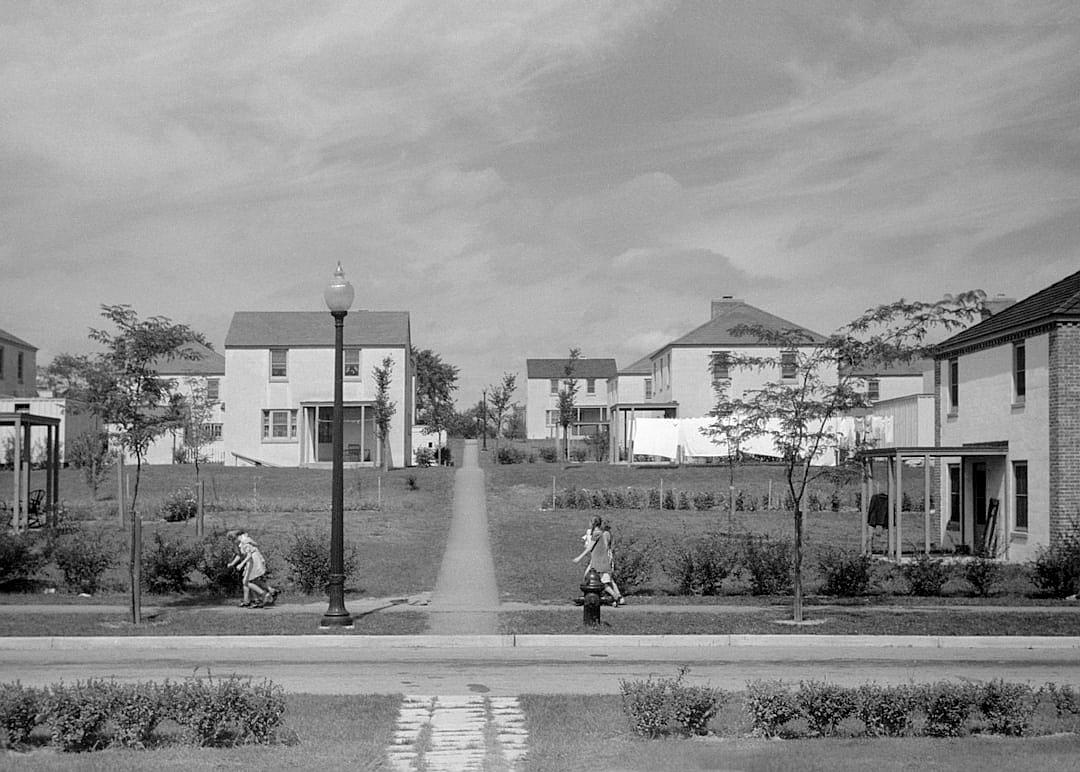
(95,714)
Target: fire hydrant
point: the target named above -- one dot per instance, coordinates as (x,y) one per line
(593,589)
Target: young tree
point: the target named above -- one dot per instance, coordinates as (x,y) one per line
(567,396)
(733,431)
(90,452)
(384,408)
(121,387)
(196,410)
(500,398)
(797,413)
(436,382)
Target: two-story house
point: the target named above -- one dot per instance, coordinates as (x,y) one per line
(1011,385)
(18,367)
(280,367)
(544,379)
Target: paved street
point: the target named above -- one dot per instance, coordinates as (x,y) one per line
(491,665)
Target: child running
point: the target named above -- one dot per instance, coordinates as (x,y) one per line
(251,563)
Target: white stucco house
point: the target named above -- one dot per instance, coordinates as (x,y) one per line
(280,367)
(544,379)
(18,367)
(1008,403)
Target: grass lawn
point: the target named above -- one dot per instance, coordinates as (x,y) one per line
(574,733)
(399,529)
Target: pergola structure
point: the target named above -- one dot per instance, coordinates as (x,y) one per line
(621,420)
(23,423)
(894,459)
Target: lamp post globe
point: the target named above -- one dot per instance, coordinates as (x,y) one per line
(339,297)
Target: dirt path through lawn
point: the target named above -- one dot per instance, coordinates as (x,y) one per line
(466,597)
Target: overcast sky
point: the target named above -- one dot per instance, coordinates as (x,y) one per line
(523,177)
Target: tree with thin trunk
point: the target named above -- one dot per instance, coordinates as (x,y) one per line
(797,413)
(501,396)
(197,409)
(384,408)
(436,382)
(567,396)
(122,388)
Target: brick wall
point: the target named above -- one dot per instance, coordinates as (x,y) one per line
(1064,374)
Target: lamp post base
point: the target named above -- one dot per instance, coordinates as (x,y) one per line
(336,621)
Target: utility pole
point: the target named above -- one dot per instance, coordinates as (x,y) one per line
(484,414)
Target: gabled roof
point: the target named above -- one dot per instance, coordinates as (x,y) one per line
(296,329)
(7,337)
(209,362)
(641,367)
(732,312)
(583,368)
(1060,302)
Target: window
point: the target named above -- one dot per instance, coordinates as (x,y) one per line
(1020,488)
(954,493)
(350,363)
(590,385)
(213,389)
(648,388)
(954,384)
(1,361)
(213,432)
(278,425)
(720,361)
(873,389)
(1019,371)
(279,363)
(19,367)
(552,417)
(787,365)
(554,385)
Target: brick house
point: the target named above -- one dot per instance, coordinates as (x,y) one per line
(1012,382)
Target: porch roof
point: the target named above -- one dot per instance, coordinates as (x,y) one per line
(974,449)
(21,417)
(645,406)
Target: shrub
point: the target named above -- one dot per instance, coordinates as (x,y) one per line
(770,705)
(1056,570)
(845,573)
(83,557)
(18,714)
(983,574)
(704,500)
(309,558)
(76,715)
(947,706)
(216,552)
(700,566)
(769,564)
(411,484)
(20,558)
(1007,707)
(579,455)
(926,576)
(669,499)
(885,710)
(1066,700)
(167,564)
(425,457)
(684,500)
(263,707)
(135,711)
(666,706)
(825,705)
(206,711)
(509,456)
(634,561)
(549,453)
(180,505)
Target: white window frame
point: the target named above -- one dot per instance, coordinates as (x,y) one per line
(347,355)
(720,367)
(1019,371)
(283,365)
(648,388)
(953,364)
(873,389)
(269,424)
(590,385)
(213,389)
(789,362)
(553,386)
(1021,496)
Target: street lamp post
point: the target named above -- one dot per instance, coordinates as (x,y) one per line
(339,297)
(484,424)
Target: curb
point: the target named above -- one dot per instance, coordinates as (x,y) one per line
(584,642)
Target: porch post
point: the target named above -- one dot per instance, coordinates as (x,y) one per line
(926,500)
(891,516)
(630,435)
(899,507)
(864,504)
(17,499)
(50,461)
